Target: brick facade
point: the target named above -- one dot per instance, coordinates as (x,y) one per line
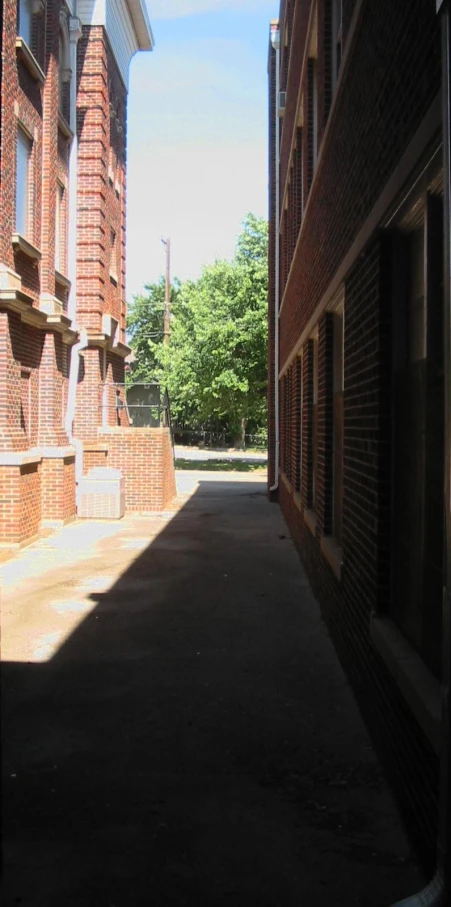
(361,178)
(62,262)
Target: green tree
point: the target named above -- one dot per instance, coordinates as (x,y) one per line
(215,365)
(145,328)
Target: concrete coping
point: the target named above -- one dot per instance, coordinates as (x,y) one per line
(129,429)
(18,458)
(419,687)
(55,453)
(34,455)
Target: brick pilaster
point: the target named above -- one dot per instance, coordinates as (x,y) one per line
(51,392)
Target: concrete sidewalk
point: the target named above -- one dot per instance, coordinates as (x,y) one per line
(176,727)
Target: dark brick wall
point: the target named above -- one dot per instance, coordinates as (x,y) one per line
(410,764)
(386,87)
(347,605)
(392,76)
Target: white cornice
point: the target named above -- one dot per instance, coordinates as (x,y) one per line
(127,26)
(141,24)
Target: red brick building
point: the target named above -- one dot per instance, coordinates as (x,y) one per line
(356,359)
(62,249)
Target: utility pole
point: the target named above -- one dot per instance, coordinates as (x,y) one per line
(167,295)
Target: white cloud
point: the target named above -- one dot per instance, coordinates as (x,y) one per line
(179,9)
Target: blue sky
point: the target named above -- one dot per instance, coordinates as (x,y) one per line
(197,134)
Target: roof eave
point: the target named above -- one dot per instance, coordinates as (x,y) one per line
(141,24)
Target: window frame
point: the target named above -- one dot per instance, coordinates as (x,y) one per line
(113,257)
(23,199)
(314,441)
(338,390)
(336,40)
(25,6)
(60,228)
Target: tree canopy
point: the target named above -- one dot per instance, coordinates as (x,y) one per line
(215,366)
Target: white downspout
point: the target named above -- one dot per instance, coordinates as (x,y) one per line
(70,411)
(275,41)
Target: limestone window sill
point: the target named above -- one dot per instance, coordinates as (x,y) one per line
(333,554)
(62,280)
(310,519)
(27,248)
(64,127)
(419,687)
(297,498)
(286,482)
(29,60)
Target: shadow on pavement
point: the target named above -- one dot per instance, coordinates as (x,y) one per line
(194,742)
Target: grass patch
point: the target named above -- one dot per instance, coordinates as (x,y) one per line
(219,465)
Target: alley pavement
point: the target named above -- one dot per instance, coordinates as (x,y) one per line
(177,729)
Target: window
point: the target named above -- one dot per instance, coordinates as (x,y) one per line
(315,109)
(64,70)
(418,432)
(301,416)
(337,16)
(337,515)
(415,321)
(61,73)
(25,408)
(25,28)
(60,229)
(23,184)
(113,257)
(315,424)
(312,114)
(299,181)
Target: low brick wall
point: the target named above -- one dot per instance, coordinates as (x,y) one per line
(20,502)
(38,492)
(144,456)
